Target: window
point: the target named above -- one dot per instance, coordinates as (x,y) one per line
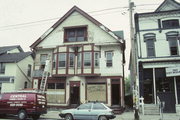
(54,61)
(87,59)
(25,84)
(79,59)
(172,39)
(62,59)
(75,34)
(71,59)
(29,71)
(96,59)
(60,86)
(109,56)
(149,38)
(2,68)
(174,23)
(85,106)
(51,85)
(98,106)
(43,58)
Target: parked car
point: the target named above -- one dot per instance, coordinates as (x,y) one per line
(88,111)
(23,104)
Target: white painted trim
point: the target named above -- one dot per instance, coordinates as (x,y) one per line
(154,83)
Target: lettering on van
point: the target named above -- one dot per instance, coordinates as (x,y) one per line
(18,97)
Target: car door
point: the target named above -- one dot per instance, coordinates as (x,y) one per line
(97,109)
(83,112)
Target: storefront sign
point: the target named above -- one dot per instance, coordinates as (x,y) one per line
(172,71)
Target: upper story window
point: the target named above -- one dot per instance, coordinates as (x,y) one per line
(54,61)
(77,34)
(87,59)
(29,70)
(71,59)
(62,60)
(173,23)
(2,68)
(149,38)
(43,58)
(172,38)
(109,59)
(25,84)
(96,59)
(79,59)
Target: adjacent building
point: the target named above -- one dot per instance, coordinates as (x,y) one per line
(158,55)
(87,61)
(15,68)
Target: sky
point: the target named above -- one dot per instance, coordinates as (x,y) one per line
(24,21)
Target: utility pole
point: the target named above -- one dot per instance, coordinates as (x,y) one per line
(133,62)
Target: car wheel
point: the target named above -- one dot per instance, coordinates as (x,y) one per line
(102,118)
(22,115)
(68,117)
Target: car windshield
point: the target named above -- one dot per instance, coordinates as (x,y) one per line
(98,106)
(85,106)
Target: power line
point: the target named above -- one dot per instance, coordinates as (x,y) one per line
(51,19)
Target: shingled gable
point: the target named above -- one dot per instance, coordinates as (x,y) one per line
(73,9)
(162,7)
(4,49)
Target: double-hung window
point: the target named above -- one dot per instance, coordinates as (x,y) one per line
(2,68)
(109,59)
(54,61)
(62,60)
(43,58)
(77,34)
(79,60)
(29,70)
(96,59)
(87,59)
(172,38)
(149,38)
(71,59)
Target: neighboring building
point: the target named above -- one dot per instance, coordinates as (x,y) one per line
(87,61)
(158,55)
(15,68)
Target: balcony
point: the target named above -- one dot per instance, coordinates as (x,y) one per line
(37,73)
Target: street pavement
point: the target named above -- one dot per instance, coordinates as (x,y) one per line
(53,115)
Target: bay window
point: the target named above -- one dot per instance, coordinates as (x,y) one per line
(87,59)
(62,60)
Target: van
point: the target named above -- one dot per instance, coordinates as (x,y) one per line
(23,104)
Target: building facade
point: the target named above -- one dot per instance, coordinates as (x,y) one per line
(15,69)
(87,61)
(158,55)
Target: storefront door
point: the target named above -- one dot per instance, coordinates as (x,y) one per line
(74,93)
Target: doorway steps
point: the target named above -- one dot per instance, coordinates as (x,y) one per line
(151,109)
(117,109)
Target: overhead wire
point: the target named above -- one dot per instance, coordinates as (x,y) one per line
(17,26)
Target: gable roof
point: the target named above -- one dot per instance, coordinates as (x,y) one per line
(14,57)
(173,3)
(73,9)
(4,49)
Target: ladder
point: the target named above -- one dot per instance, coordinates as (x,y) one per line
(45,76)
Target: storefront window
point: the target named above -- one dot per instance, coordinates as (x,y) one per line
(96,92)
(56,93)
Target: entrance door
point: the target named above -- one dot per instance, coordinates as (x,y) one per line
(74,93)
(115,92)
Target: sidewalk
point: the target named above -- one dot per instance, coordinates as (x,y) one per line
(130,116)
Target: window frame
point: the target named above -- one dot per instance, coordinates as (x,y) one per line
(76,31)
(89,60)
(2,68)
(73,60)
(64,60)
(29,70)
(109,64)
(96,60)
(169,36)
(150,37)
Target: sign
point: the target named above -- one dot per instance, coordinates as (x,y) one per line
(172,71)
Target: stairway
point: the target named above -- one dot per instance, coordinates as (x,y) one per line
(151,109)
